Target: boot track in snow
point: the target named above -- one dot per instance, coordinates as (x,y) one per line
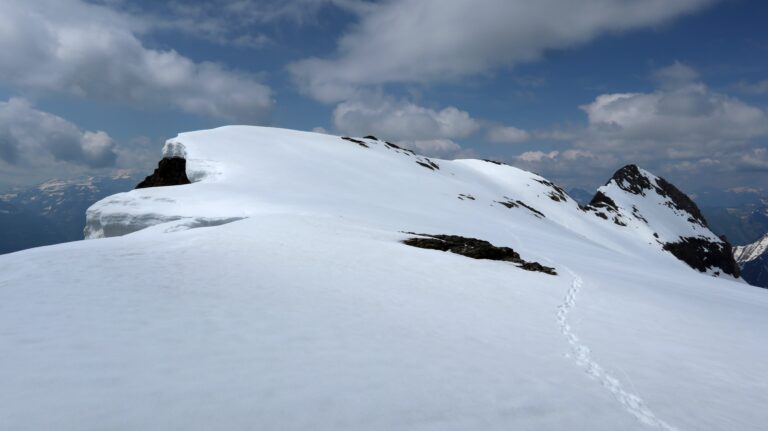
(581,354)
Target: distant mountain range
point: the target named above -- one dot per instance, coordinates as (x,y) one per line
(743,224)
(20,230)
(753,260)
(54,211)
(741,216)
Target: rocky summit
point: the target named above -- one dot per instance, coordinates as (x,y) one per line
(170,171)
(636,199)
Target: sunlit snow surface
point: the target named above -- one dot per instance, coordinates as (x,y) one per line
(274,294)
(751,251)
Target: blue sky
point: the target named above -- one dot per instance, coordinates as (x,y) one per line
(572,90)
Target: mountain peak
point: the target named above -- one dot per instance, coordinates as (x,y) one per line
(651,205)
(632,179)
(635,180)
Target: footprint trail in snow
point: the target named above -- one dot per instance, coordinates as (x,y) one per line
(581,354)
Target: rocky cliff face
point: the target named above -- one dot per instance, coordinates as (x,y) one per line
(636,199)
(171,171)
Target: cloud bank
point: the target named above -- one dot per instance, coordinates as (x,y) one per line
(429,131)
(683,126)
(443,40)
(29,137)
(93,52)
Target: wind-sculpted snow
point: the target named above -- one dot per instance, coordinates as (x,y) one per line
(174,149)
(275,292)
(308,321)
(240,171)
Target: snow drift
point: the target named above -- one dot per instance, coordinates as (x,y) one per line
(246,171)
(275,292)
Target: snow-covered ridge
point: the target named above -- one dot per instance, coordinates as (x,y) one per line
(240,171)
(276,292)
(660,213)
(749,252)
(649,204)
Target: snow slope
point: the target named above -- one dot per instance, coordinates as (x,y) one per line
(640,202)
(274,293)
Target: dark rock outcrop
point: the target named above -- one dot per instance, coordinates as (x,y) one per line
(398,148)
(602,201)
(535,212)
(630,179)
(703,254)
(427,163)
(356,141)
(510,203)
(171,171)
(475,249)
(557,193)
(680,201)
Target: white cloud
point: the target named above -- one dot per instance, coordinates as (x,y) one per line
(681,122)
(431,132)
(757,88)
(741,190)
(444,148)
(29,137)
(396,120)
(572,167)
(93,52)
(439,40)
(755,159)
(675,76)
(507,135)
(237,23)
(241,13)
(683,127)
(537,156)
